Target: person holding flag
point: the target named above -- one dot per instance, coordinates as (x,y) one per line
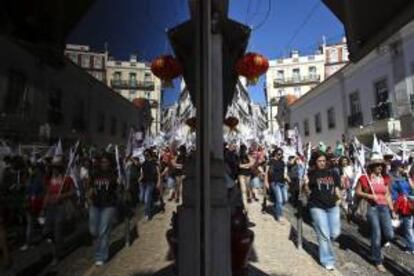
(374,186)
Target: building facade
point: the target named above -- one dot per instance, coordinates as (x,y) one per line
(39,93)
(252,117)
(133,79)
(298,74)
(374,95)
(92,61)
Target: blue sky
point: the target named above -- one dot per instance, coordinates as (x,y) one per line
(138,26)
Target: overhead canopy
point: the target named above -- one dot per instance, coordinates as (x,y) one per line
(369,22)
(45,21)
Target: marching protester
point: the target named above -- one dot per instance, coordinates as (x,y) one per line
(59,191)
(347,175)
(402,189)
(375,188)
(275,179)
(178,165)
(323,185)
(34,202)
(102,197)
(246,163)
(150,179)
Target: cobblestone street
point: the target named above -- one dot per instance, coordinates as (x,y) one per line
(274,253)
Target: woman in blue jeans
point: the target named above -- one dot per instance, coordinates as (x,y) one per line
(374,188)
(323,185)
(102,198)
(150,179)
(275,179)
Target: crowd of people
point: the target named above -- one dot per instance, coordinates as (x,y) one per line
(46,192)
(331,182)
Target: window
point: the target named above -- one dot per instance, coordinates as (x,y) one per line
(133,64)
(333,55)
(132,92)
(117,75)
(318,124)
(412,102)
(312,72)
(16,88)
(113,126)
(306,127)
(280,75)
(354,103)
(296,74)
(101,122)
(298,91)
(280,92)
(97,62)
(73,57)
(331,118)
(54,112)
(132,76)
(86,61)
(381,91)
(311,57)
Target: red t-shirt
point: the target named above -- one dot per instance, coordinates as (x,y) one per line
(380,186)
(55,184)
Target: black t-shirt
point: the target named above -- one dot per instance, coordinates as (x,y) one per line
(322,184)
(105,186)
(277,170)
(149,171)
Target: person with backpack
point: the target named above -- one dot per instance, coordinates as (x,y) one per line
(276,179)
(402,195)
(102,198)
(322,184)
(375,188)
(150,179)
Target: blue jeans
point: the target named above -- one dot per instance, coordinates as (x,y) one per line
(327,225)
(379,218)
(101,220)
(407,226)
(148,191)
(281,197)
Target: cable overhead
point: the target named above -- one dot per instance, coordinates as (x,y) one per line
(304,22)
(269,8)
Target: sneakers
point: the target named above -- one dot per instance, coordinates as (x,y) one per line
(330,267)
(24,247)
(381,268)
(387,244)
(147,218)
(99,263)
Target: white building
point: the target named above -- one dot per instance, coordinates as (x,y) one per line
(39,90)
(296,75)
(374,95)
(133,79)
(251,116)
(93,62)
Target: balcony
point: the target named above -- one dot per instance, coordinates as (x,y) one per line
(302,80)
(132,84)
(355,120)
(381,111)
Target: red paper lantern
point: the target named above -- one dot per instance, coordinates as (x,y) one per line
(252,66)
(140,102)
(166,68)
(231,122)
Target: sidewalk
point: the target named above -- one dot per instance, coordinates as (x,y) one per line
(148,255)
(274,253)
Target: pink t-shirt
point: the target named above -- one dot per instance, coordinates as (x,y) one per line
(379,185)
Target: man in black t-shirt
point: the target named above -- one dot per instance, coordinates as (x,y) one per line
(275,179)
(150,179)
